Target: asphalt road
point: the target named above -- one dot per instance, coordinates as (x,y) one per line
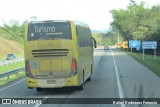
(116,75)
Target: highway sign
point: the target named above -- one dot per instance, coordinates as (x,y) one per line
(138,48)
(149,44)
(135,44)
(125,45)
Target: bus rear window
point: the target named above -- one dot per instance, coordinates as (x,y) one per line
(49,30)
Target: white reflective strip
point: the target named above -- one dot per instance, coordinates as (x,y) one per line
(118,80)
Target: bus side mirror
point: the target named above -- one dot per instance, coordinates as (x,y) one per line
(95,43)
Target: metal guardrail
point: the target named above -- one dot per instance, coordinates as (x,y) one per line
(7,74)
(7,62)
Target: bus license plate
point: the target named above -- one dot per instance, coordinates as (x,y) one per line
(51,81)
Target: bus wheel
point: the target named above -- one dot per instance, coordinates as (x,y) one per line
(89,79)
(39,89)
(81,87)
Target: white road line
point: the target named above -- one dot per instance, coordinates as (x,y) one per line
(11,85)
(42,101)
(118,80)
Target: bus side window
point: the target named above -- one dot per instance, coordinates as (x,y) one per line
(79,36)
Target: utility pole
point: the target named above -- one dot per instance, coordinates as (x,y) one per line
(118,36)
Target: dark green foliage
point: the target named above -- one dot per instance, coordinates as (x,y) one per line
(13,31)
(105,38)
(138,22)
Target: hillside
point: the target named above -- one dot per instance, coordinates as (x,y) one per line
(7,46)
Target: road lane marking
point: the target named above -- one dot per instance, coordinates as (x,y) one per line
(118,80)
(12,84)
(42,101)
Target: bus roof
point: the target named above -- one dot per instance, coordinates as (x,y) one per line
(74,21)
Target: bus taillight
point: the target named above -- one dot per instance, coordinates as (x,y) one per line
(74,64)
(73,67)
(28,69)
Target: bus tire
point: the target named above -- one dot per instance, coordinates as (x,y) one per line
(39,89)
(81,87)
(89,78)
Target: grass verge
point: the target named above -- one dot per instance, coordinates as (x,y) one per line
(149,61)
(6,68)
(11,78)
(10,67)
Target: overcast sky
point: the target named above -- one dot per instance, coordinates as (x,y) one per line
(94,12)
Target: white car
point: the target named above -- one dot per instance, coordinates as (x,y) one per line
(106,47)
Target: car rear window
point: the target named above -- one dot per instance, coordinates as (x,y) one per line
(49,30)
(10,55)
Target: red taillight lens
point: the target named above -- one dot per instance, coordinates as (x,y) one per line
(74,64)
(28,69)
(27,66)
(73,68)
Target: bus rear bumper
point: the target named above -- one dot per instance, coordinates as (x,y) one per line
(52,83)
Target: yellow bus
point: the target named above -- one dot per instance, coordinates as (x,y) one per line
(58,54)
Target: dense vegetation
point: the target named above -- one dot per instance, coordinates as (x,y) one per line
(138,22)
(13,31)
(109,38)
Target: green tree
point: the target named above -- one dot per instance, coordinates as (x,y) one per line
(13,31)
(138,22)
